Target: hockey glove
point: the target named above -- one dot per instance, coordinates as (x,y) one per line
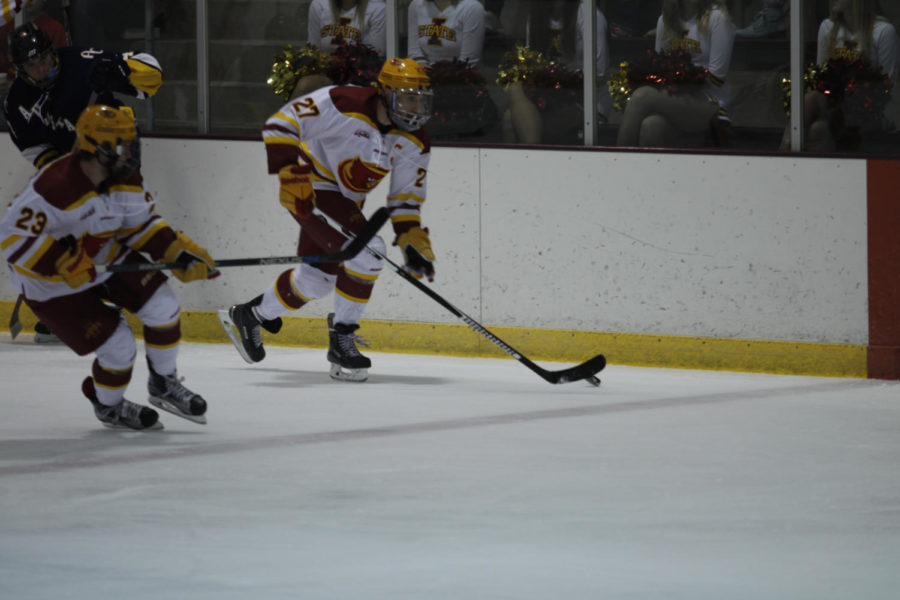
(107,70)
(296,192)
(417,254)
(76,266)
(197,261)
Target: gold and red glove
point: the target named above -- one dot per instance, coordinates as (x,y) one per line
(296,191)
(197,261)
(76,265)
(416,248)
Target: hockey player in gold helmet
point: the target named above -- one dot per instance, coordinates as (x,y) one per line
(330,148)
(406,90)
(89,209)
(110,136)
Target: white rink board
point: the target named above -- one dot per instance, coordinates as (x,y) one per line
(716,246)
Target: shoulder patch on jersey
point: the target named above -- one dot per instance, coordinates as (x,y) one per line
(355,100)
(63,184)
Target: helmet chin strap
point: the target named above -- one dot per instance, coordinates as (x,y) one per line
(115,173)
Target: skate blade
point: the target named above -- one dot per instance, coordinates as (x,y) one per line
(119,427)
(46,338)
(234,334)
(169,407)
(355,375)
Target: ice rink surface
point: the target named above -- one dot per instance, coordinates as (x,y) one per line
(449,478)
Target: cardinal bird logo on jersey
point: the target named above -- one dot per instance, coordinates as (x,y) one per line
(360,177)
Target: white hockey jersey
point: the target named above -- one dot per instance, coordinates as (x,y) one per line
(335,131)
(59,206)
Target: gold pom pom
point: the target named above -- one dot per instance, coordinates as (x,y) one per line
(810,76)
(518,64)
(291,65)
(619,87)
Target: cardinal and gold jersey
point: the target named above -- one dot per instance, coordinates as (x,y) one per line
(335,131)
(61,205)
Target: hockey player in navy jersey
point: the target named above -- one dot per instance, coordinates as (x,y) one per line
(53,87)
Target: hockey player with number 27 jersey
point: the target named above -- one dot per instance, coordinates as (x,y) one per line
(330,148)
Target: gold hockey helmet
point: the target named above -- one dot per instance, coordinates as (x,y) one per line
(110,134)
(104,129)
(406,89)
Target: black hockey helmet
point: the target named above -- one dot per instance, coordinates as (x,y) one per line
(28,42)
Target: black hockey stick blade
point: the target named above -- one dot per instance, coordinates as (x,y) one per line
(15,324)
(356,245)
(586,370)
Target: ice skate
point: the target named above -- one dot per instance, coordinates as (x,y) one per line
(347,364)
(168,393)
(43,335)
(124,415)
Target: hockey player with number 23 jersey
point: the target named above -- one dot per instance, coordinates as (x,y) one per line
(89,208)
(330,148)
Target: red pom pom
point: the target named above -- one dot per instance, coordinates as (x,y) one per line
(460,93)
(355,64)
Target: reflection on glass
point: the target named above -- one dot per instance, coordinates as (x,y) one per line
(543,72)
(681,94)
(847,105)
(510,70)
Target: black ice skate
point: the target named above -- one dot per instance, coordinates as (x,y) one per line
(347,364)
(124,415)
(242,326)
(168,393)
(43,335)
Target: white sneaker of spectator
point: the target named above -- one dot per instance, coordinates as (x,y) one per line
(768,22)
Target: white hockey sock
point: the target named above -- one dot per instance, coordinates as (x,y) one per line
(347,311)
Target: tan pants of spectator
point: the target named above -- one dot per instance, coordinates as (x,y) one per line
(654,117)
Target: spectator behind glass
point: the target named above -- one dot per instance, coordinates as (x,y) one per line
(555,29)
(441,30)
(852,31)
(34,12)
(447,38)
(653,116)
(334,23)
(631,18)
(769,21)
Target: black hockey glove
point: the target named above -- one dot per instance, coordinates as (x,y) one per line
(108,70)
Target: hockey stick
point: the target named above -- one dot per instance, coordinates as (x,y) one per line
(356,245)
(15,324)
(587,370)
